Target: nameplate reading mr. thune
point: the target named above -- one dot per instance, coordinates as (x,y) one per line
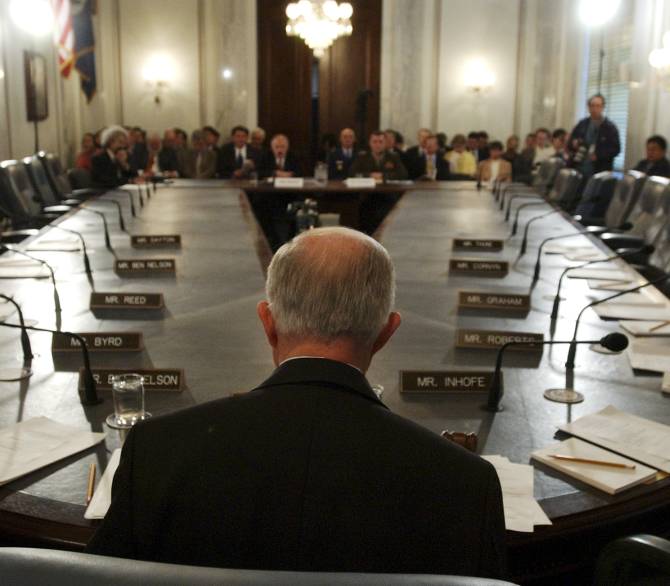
(478,244)
(445,381)
(156,241)
(99,342)
(478,267)
(499,301)
(155,379)
(145,267)
(127,301)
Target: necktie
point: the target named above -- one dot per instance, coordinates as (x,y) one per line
(280,163)
(430,166)
(239,161)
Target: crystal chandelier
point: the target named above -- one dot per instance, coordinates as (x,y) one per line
(319,22)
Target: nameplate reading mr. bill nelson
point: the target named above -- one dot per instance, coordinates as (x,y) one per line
(482,268)
(156,241)
(99,342)
(445,381)
(127,301)
(144,267)
(478,244)
(492,339)
(155,379)
(503,301)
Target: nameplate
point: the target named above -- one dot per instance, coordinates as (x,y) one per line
(360,183)
(478,245)
(156,241)
(445,381)
(484,268)
(289,182)
(127,301)
(503,301)
(99,342)
(491,339)
(144,267)
(155,379)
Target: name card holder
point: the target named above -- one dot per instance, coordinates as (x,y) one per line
(360,183)
(100,342)
(134,301)
(493,340)
(481,300)
(457,382)
(289,182)
(164,267)
(155,379)
(156,241)
(477,267)
(478,245)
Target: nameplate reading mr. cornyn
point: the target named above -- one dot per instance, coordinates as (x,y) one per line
(478,267)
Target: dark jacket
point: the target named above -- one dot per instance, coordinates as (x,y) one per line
(311,472)
(268,165)
(167,159)
(660,168)
(390,165)
(106,172)
(339,164)
(227,163)
(442,167)
(607,143)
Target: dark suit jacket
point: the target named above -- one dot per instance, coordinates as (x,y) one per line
(268,165)
(138,157)
(338,163)
(227,163)
(310,471)
(390,165)
(607,143)
(660,168)
(167,159)
(411,159)
(106,172)
(440,163)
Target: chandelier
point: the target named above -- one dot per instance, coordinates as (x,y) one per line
(319,22)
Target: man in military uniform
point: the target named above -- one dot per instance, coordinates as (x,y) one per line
(377,162)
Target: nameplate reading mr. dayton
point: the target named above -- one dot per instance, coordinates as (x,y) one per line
(156,266)
(484,268)
(504,301)
(156,241)
(155,379)
(445,381)
(495,339)
(99,342)
(478,244)
(127,301)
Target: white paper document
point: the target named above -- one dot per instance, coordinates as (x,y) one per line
(610,285)
(578,245)
(640,312)
(22,268)
(635,437)
(102,496)
(30,445)
(650,354)
(646,328)
(602,274)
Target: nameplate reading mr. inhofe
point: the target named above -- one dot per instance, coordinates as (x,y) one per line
(155,379)
(144,267)
(445,381)
(156,241)
(99,342)
(491,339)
(503,301)
(127,301)
(478,244)
(482,268)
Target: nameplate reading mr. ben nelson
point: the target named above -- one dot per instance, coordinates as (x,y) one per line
(156,241)
(483,268)
(478,244)
(445,381)
(143,267)
(155,379)
(127,301)
(99,342)
(503,301)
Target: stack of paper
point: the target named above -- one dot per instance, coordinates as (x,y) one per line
(578,245)
(640,312)
(522,511)
(610,479)
(645,329)
(650,354)
(610,285)
(102,497)
(22,268)
(638,438)
(601,274)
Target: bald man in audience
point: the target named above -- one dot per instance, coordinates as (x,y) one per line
(257,139)
(309,471)
(279,161)
(340,158)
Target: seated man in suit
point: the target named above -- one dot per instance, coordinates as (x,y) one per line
(199,161)
(111,168)
(237,159)
(340,159)
(309,471)
(432,163)
(167,161)
(412,156)
(377,162)
(495,168)
(212,136)
(279,161)
(656,162)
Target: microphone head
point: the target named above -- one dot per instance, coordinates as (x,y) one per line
(647,249)
(615,342)
(625,226)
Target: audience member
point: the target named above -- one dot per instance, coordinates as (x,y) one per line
(434,166)
(412,157)
(472,145)
(558,138)
(180,139)
(168,162)
(111,168)
(495,168)
(138,157)
(482,146)
(238,159)
(391,140)
(656,162)
(543,147)
(523,169)
(88,150)
(258,139)
(511,149)
(340,159)
(279,161)
(200,160)
(442,142)
(212,136)
(378,162)
(462,163)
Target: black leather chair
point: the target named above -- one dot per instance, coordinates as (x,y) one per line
(60,182)
(566,189)
(19,566)
(543,183)
(41,185)
(639,560)
(626,194)
(597,194)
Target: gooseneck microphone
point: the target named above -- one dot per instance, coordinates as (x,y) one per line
(139,194)
(108,242)
(122,223)
(615,342)
(87,262)
(570,363)
(520,196)
(524,242)
(132,203)
(515,225)
(646,249)
(25,340)
(90,395)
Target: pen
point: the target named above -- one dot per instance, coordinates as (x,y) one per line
(659,326)
(91,483)
(589,461)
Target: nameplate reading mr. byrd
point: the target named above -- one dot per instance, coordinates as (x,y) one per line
(488,339)
(99,342)
(158,266)
(478,244)
(156,241)
(127,301)
(155,379)
(504,301)
(484,268)
(445,381)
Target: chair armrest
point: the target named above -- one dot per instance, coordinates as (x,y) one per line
(60,209)
(619,560)
(586,221)
(614,240)
(639,258)
(14,236)
(87,192)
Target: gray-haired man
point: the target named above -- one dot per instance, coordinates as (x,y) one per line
(309,471)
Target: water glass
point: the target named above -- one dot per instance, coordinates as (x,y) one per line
(128,397)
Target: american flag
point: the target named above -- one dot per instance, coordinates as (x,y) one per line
(63,35)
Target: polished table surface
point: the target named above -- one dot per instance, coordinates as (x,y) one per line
(210,329)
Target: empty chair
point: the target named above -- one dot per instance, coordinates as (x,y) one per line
(39,181)
(634,561)
(565,190)
(597,194)
(60,181)
(543,183)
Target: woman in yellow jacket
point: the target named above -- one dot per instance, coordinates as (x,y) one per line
(461,161)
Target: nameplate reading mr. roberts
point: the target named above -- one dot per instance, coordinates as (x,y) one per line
(144,267)
(99,342)
(156,241)
(127,301)
(478,244)
(489,339)
(502,301)
(445,381)
(482,268)
(155,379)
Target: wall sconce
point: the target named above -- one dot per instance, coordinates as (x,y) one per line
(659,59)
(227,73)
(478,77)
(158,72)
(35,17)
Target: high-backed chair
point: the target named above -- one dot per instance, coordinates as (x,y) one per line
(639,560)
(597,194)
(543,183)
(626,194)
(40,183)
(60,181)
(565,190)
(19,566)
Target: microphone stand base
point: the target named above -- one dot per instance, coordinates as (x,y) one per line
(14,374)
(602,350)
(568,396)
